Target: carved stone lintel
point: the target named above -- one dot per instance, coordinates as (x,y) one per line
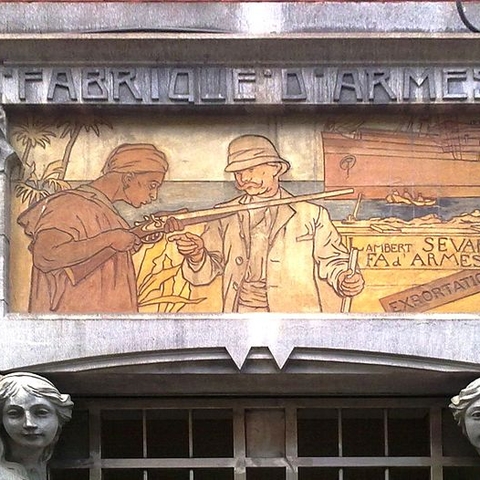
(230,84)
(33,413)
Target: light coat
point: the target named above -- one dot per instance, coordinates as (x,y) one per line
(305,258)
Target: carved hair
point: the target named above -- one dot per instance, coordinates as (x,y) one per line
(13,383)
(463,400)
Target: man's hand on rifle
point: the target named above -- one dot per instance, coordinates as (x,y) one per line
(190,246)
(173,224)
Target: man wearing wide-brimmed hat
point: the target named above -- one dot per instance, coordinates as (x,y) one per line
(275,259)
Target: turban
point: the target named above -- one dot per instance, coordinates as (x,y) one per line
(136,158)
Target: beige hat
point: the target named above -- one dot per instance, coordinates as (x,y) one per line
(249,151)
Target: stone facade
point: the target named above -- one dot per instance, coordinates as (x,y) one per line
(74,34)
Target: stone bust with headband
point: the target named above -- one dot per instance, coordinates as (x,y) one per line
(33,414)
(465,408)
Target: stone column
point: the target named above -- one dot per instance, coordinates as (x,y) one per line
(8,158)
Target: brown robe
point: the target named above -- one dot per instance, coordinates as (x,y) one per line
(81,213)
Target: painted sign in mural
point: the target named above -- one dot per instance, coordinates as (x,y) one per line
(332,213)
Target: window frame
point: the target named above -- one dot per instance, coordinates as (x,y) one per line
(240,462)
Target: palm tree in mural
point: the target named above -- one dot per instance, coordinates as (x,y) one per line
(31,134)
(34,132)
(71,127)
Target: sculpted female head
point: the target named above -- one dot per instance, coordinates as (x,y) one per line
(33,413)
(466,410)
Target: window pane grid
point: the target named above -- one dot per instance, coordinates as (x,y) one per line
(285,439)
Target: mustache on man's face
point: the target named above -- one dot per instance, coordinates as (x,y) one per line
(248,184)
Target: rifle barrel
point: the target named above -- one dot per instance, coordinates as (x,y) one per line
(80,271)
(231,209)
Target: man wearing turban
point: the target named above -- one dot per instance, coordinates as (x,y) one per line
(69,228)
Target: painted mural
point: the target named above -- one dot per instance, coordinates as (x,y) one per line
(298,213)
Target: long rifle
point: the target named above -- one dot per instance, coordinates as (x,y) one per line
(152,228)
